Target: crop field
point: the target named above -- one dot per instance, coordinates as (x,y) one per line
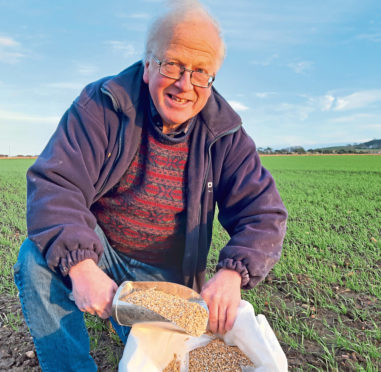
(323,298)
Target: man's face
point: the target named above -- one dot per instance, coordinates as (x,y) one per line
(194,45)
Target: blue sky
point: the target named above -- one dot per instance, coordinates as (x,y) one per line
(302,73)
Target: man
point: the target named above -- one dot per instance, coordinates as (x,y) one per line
(126,190)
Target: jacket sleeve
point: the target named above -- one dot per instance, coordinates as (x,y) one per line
(252,212)
(60,187)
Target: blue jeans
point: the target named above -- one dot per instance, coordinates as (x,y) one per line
(55,322)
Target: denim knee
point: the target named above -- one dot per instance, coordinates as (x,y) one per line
(54,320)
(34,277)
(29,262)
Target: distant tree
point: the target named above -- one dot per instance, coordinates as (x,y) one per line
(298,150)
(267,150)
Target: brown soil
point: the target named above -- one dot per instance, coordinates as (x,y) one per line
(17,353)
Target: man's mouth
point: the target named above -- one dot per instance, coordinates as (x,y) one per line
(178,99)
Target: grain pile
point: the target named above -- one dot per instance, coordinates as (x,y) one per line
(218,357)
(190,316)
(214,357)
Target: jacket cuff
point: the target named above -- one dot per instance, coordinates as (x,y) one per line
(74,257)
(238,266)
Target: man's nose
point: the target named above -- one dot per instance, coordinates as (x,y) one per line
(184,83)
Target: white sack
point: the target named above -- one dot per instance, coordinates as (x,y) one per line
(150,347)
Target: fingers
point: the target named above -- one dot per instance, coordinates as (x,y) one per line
(221,317)
(213,317)
(231,314)
(89,311)
(218,318)
(104,314)
(221,320)
(222,293)
(103,310)
(96,303)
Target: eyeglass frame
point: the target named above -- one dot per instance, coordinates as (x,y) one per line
(182,70)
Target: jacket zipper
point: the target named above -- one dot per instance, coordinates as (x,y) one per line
(120,138)
(231,131)
(115,103)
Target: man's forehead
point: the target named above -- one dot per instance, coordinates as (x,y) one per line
(183,54)
(197,40)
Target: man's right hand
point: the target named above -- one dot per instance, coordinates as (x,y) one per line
(93,290)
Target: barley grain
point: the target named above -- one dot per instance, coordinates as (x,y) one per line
(190,316)
(217,357)
(214,357)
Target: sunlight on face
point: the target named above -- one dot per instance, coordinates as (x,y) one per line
(195,44)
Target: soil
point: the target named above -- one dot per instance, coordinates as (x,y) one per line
(17,353)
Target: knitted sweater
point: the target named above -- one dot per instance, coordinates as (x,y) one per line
(143,216)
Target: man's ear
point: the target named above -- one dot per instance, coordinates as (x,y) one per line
(146,72)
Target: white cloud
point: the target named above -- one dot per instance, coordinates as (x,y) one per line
(238,106)
(8,42)
(294,111)
(127,49)
(264,94)
(373,126)
(10,57)
(10,50)
(326,102)
(352,118)
(358,100)
(301,66)
(373,37)
(25,118)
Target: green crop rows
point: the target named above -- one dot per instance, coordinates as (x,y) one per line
(323,297)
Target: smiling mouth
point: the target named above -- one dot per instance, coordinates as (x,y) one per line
(177,99)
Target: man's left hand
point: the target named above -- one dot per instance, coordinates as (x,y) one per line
(222,293)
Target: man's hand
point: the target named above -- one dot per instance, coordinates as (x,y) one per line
(222,293)
(93,290)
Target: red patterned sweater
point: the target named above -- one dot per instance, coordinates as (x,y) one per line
(143,215)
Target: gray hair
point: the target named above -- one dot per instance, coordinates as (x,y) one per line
(179,10)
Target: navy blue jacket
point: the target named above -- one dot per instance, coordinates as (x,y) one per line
(93,146)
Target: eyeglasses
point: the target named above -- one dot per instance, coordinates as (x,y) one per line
(174,71)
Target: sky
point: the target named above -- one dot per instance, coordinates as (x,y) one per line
(300,73)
